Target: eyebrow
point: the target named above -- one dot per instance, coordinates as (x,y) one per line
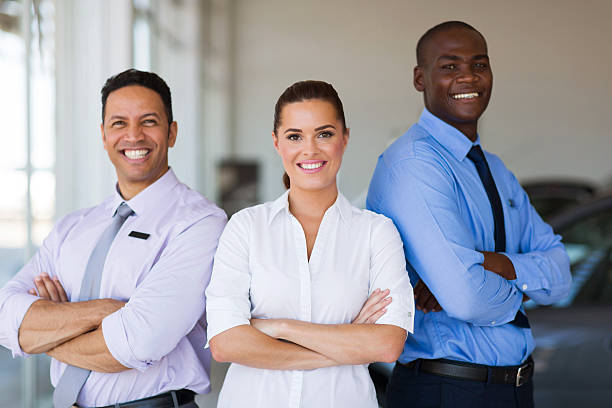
(457,58)
(325,127)
(141,116)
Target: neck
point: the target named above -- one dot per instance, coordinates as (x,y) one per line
(468,131)
(130,189)
(311,204)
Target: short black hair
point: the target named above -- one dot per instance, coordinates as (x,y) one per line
(142,78)
(447,25)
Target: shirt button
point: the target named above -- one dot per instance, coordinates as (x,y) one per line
(524,286)
(493,322)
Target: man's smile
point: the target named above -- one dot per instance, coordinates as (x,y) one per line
(466,95)
(136,154)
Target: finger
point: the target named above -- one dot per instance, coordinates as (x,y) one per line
(32,292)
(375,298)
(51,288)
(374,318)
(60,290)
(431,303)
(418,288)
(41,288)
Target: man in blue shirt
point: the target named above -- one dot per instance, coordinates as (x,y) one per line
(471,238)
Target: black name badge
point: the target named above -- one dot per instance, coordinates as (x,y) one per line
(139,235)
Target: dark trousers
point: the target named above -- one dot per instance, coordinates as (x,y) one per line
(410,388)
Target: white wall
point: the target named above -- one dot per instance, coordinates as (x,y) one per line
(548,115)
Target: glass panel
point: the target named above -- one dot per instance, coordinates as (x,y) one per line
(10,379)
(13,96)
(13,233)
(42,100)
(141,34)
(589,245)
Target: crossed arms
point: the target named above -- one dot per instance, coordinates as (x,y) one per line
(110,335)
(286,344)
(68,331)
(479,287)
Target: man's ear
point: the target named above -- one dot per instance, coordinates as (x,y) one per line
(172,131)
(418,79)
(103,135)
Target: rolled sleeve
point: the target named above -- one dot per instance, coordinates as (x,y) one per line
(12,316)
(14,297)
(227,296)
(168,303)
(116,339)
(388,271)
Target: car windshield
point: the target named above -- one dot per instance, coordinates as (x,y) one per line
(588,241)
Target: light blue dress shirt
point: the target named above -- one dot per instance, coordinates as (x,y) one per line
(426,184)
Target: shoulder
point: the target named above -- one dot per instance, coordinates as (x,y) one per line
(191,207)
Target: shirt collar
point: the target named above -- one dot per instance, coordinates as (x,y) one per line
(342,205)
(149,197)
(451,138)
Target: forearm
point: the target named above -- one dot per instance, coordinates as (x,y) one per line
(346,343)
(48,324)
(248,346)
(87,351)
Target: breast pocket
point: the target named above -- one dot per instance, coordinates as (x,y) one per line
(129,261)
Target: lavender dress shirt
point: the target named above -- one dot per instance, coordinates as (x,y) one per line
(161,331)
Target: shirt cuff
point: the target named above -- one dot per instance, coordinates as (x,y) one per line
(116,340)
(218,322)
(527,278)
(401,314)
(20,304)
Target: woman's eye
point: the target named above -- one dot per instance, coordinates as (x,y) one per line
(326,134)
(293,137)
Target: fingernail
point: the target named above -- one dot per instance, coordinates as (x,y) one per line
(37,279)
(44,274)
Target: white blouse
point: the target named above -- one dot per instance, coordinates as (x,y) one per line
(261,270)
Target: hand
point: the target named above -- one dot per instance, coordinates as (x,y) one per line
(499,264)
(49,288)
(374,307)
(425,300)
(270,327)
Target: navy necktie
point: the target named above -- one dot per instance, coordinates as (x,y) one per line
(477,156)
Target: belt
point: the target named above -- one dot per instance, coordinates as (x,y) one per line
(165,400)
(515,375)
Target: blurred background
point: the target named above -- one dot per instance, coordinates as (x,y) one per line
(227,61)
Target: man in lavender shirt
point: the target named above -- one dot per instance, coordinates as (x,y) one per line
(143,337)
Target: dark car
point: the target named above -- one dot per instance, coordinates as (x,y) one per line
(553,196)
(573,355)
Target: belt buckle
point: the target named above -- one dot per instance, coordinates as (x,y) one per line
(521,378)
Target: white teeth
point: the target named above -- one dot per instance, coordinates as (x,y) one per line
(465,95)
(311,166)
(136,154)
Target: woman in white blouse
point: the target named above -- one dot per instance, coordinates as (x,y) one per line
(298,283)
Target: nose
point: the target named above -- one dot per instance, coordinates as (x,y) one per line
(466,74)
(134,133)
(310,146)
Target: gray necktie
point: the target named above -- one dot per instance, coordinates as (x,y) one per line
(73,378)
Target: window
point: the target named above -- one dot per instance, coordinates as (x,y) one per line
(27,159)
